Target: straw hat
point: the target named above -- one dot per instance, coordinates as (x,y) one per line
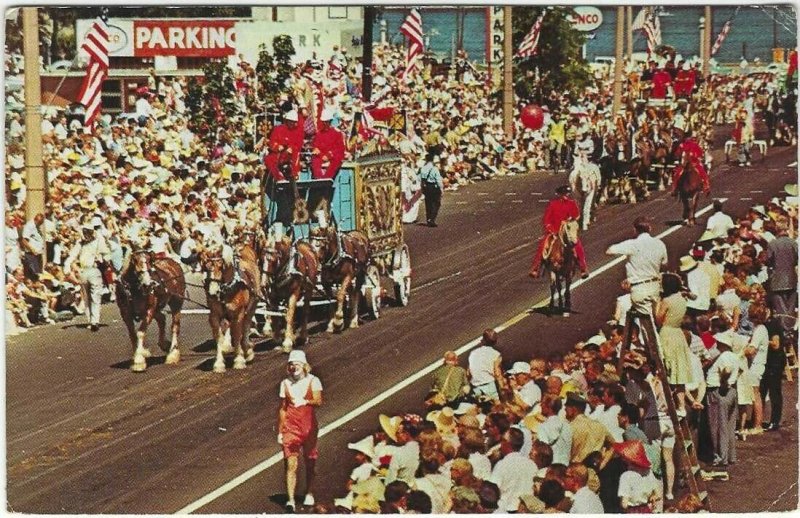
(687,263)
(444,420)
(390,425)
(708,235)
(633,453)
(790,189)
(532,421)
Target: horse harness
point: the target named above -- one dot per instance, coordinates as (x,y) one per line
(129,289)
(226,288)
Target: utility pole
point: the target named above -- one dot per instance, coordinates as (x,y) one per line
(707,42)
(366,42)
(35,180)
(508,75)
(629,31)
(702,27)
(618,59)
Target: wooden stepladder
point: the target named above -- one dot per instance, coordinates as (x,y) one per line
(689,465)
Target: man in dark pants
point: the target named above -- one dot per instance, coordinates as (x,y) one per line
(771,382)
(432,187)
(782,261)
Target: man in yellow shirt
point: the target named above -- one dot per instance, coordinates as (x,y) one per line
(557,136)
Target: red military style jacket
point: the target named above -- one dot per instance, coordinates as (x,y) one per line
(330,143)
(282,135)
(558,211)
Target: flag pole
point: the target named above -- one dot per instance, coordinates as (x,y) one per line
(618,60)
(508,74)
(63,78)
(35,178)
(707,42)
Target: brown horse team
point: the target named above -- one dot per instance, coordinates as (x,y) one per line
(145,288)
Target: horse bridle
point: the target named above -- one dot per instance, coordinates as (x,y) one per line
(224,287)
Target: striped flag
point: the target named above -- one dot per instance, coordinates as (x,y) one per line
(528,46)
(721,37)
(648,22)
(96,45)
(412,29)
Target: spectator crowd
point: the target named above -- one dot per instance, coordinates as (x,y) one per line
(148,173)
(587,431)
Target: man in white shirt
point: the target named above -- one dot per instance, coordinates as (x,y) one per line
(405,459)
(555,431)
(527,389)
(719,223)
(646,258)
(83,260)
(721,380)
(143,109)
(484,367)
(513,474)
(699,283)
(33,245)
(584,500)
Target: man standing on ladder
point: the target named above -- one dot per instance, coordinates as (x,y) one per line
(647,256)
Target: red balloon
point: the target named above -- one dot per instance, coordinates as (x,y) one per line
(532,117)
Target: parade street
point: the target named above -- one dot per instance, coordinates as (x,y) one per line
(86,435)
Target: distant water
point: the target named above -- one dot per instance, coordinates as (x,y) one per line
(753,26)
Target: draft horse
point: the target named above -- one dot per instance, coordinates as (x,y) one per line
(290,272)
(559,258)
(146,287)
(232,286)
(344,258)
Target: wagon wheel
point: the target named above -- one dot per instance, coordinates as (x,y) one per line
(372,291)
(401,271)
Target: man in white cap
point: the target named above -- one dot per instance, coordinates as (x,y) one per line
(327,150)
(285,143)
(83,260)
(300,393)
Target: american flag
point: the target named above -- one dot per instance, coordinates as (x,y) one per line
(412,29)
(528,46)
(96,45)
(721,37)
(647,21)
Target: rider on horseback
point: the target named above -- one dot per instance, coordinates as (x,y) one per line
(692,151)
(560,209)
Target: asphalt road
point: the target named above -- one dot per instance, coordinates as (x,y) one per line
(85,435)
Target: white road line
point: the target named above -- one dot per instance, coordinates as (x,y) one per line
(434,281)
(461,203)
(756,192)
(199,311)
(536,194)
(490,201)
(516,201)
(745,199)
(511,194)
(544,201)
(793,164)
(325,430)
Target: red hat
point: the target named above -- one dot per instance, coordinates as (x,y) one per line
(633,453)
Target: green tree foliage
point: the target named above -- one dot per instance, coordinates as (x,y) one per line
(212,101)
(558,56)
(273,70)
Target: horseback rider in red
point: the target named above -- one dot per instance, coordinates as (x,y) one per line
(560,209)
(695,154)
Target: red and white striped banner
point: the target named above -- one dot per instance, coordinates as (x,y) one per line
(528,46)
(412,29)
(721,37)
(96,45)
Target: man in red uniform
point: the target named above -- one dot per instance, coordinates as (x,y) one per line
(695,154)
(661,81)
(327,155)
(684,81)
(560,209)
(327,147)
(285,142)
(300,393)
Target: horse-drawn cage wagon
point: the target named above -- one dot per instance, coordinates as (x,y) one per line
(362,204)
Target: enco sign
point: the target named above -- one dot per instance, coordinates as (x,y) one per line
(586,18)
